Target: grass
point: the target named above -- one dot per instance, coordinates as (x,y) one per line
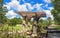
(57,27)
(9,28)
(16,27)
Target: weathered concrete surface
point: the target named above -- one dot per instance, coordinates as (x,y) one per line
(52,32)
(53,35)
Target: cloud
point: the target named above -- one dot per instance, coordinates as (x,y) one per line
(23,7)
(51,8)
(8,7)
(15,4)
(29,6)
(48,13)
(24,1)
(47,1)
(38,6)
(11,14)
(46,5)
(42,18)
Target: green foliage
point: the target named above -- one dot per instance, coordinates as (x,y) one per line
(56,11)
(1,1)
(3,18)
(57,27)
(56,15)
(13,22)
(16,35)
(56,4)
(19,21)
(43,24)
(49,21)
(16,28)
(6,28)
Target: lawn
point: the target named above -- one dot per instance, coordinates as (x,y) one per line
(11,28)
(58,27)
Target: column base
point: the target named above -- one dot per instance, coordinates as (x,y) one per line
(33,35)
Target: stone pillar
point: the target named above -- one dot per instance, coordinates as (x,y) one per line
(35,28)
(29,26)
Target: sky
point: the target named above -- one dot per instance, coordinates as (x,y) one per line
(28,5)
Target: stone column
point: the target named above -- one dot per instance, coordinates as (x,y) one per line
(24,25)
(29,26)
(35,28)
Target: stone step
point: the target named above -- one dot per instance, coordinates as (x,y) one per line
(52,26)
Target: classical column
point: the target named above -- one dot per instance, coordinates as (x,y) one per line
(29,26)
(28,19)
(34,28)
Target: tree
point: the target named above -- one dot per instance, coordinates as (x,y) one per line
(13,22)
(43,24)
(3,18)
(56,11)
